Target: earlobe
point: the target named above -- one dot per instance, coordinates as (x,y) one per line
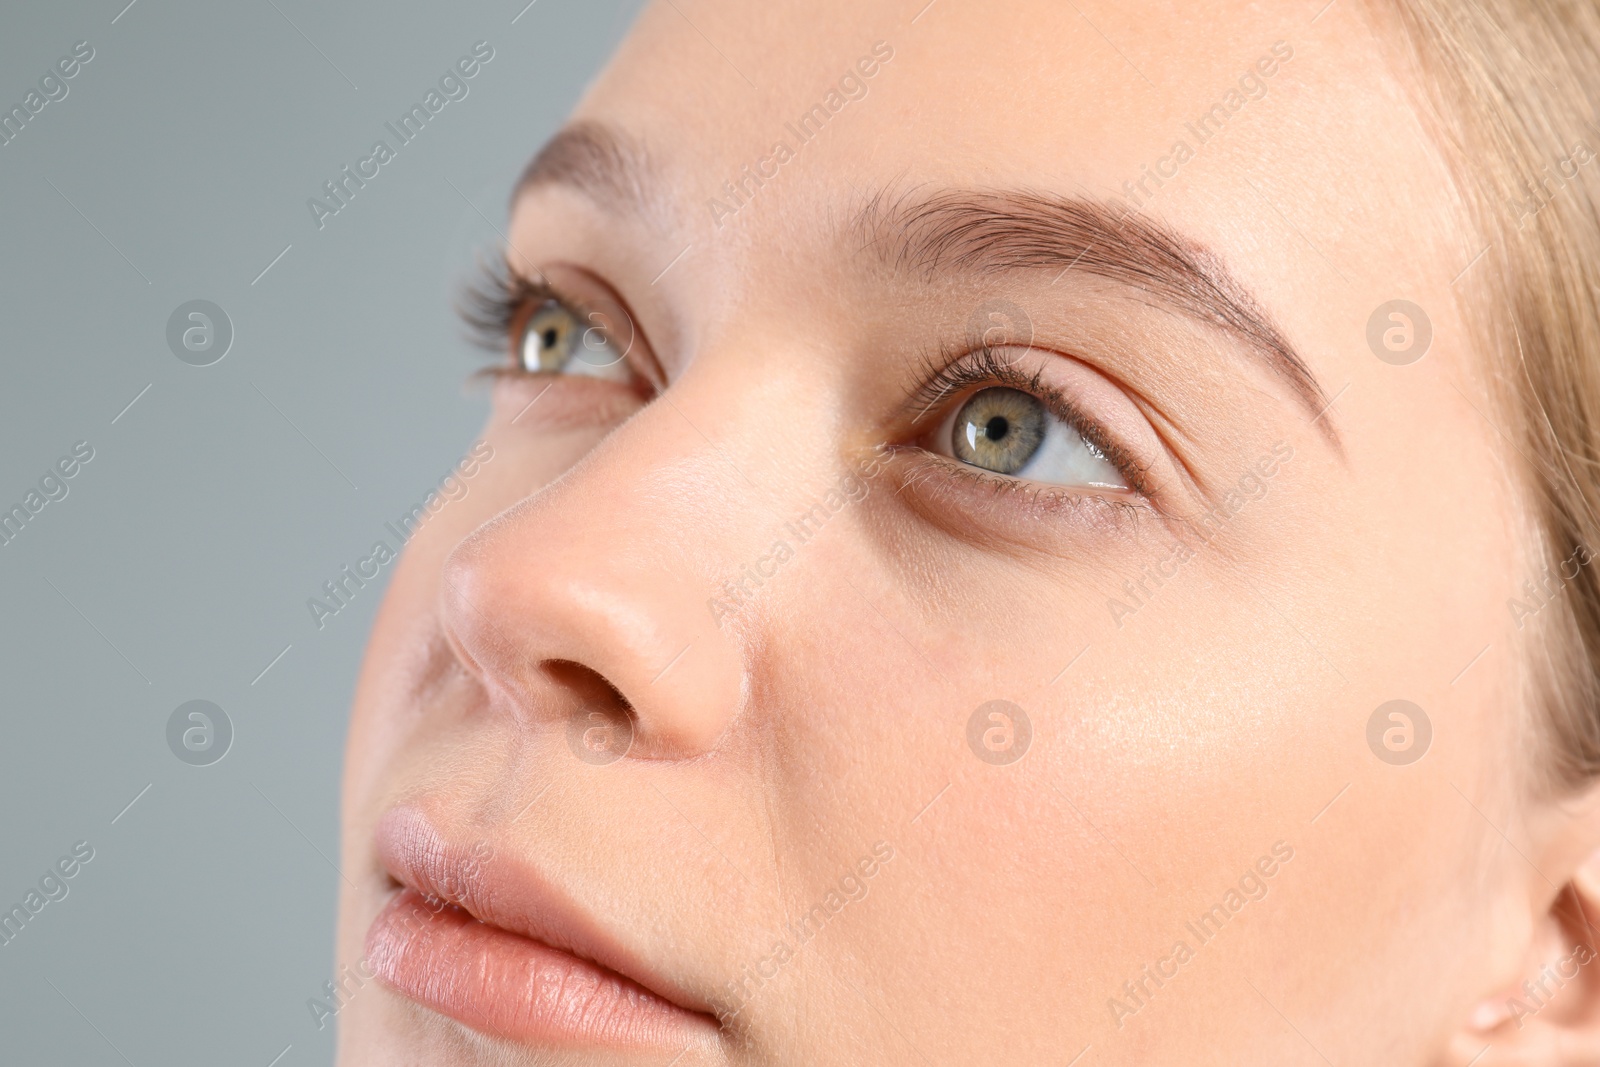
(1550,1015)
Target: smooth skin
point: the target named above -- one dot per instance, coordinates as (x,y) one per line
(1175,743)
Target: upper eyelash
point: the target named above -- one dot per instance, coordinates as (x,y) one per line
(495,301)
(498,302)
(498,297)
(945,376)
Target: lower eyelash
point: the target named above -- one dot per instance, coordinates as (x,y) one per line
(925,468)
(497,371)
(986,367)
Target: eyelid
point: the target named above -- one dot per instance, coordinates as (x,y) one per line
(500,301)
(948,381)
(997,506)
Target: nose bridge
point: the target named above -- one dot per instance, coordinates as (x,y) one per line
(612,568)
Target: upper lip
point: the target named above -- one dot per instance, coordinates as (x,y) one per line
(496,889)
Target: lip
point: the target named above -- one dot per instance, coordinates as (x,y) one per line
(495,946)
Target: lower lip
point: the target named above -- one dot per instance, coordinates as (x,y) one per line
(513,987)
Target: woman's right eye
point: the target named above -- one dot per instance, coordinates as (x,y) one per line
(555,338)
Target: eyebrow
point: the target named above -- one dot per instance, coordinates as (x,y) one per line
(987,232)
(991,232)
(598,160)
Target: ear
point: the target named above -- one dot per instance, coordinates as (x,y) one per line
(1546,1013)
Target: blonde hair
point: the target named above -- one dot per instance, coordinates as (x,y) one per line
(1511,87)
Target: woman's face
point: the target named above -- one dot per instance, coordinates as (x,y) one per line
(934,603)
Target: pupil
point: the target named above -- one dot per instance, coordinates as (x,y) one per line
(549,338)
(996,428)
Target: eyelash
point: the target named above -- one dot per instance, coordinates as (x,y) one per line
(945,377)
(498,300)
(497,305)
(493,301)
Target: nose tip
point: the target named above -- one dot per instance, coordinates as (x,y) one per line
(533,595)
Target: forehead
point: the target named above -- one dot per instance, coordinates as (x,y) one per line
(1084,95)
(1276,134)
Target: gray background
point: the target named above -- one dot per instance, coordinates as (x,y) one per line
(180,562)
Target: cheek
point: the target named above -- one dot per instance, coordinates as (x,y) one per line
(1164,758)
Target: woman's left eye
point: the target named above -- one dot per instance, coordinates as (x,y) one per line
(555,340)
(1010,432)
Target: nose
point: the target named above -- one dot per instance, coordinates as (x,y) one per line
(608,573)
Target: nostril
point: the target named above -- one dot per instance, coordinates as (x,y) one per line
(587,685)
(601,724)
